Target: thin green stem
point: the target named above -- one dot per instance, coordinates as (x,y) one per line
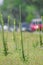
(3,39)
(21,36)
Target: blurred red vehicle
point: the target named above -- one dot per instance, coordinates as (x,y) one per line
(36,24)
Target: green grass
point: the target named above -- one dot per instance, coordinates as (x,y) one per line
(34,56)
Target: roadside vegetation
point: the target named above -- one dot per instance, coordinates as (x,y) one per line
(33,54)
(20,48)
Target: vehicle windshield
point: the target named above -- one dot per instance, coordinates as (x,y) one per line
(37,22)
(33,23)
(40,22)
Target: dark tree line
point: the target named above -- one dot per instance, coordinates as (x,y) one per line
(11,7)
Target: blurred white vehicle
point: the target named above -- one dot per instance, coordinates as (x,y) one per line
(24,26)
(11,29)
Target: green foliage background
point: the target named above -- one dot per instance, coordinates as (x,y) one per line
(29,8)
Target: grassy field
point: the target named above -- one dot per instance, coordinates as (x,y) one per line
(32,50)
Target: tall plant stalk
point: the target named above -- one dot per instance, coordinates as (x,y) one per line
(40,38)
(14,35)
(21,35)
(3,38)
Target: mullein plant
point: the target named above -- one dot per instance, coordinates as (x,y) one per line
(8,21)
(14,34)
(21,38)
(14,39)
(40,36)
(41,43)
(3,38)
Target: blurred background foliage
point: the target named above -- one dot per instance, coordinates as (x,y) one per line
(29,9)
